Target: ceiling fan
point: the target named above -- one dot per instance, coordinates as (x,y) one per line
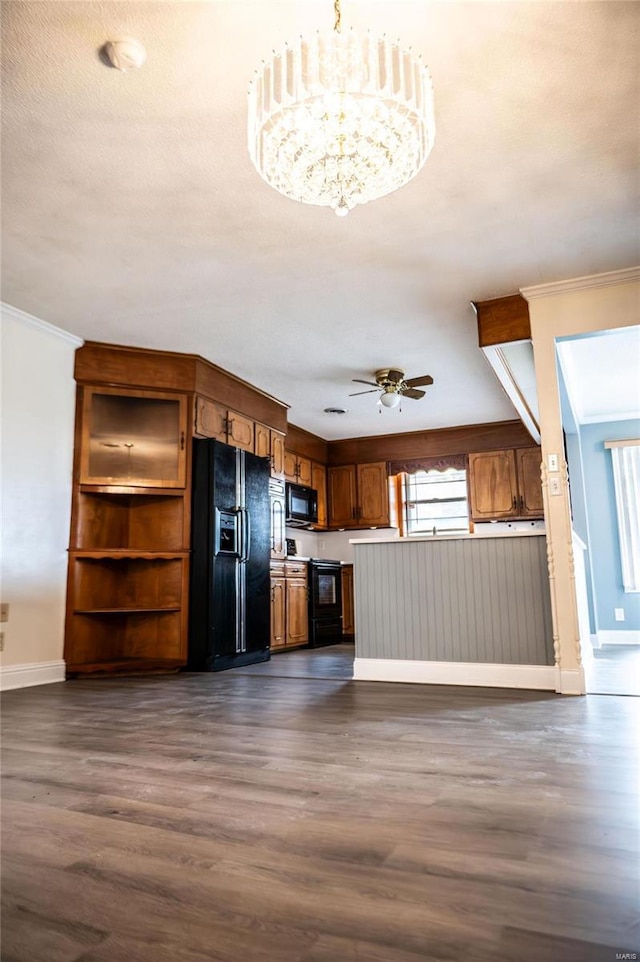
(393,386)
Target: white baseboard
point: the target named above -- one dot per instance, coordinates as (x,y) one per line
(619,638)
(25,676)
(540,677)
(570,681)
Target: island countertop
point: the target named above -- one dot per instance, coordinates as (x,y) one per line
(476,536)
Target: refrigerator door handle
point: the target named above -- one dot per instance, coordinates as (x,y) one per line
(246,534)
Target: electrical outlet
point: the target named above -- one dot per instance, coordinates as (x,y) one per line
(552,462)
(555,487)
(4,612)
(618,614)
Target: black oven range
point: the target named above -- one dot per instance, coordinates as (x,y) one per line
(325,603)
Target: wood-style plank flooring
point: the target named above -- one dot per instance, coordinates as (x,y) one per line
(266,815)
(615,670)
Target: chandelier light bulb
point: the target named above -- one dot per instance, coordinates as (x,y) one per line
(340,120)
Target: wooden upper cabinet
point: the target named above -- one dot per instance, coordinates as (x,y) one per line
(270,444)
(304,472)
(528,461)
(240,431)
(290,466)
(505,484)
(373,495)
(210,419)
(342,496)
(493,485)
(133,438)
(297,469)
(277,455)
(262,441)
(213,420)
(319,484)
(359,495)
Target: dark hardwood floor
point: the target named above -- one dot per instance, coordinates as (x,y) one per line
(267,815)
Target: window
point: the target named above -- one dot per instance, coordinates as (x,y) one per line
(435,502)
(625,456)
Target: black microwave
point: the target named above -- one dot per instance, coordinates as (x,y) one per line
(302,506)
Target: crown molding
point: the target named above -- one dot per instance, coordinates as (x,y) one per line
(590,282)
(17,315)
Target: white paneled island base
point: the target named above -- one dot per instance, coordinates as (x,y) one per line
(467,610)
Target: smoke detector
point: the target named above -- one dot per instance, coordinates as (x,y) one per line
(124,54)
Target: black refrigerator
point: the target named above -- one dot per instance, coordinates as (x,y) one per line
(229,609)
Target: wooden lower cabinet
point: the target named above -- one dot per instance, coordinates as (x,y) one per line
(289,605)
(348,616)
(278,608)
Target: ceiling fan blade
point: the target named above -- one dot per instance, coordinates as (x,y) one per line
(358,380)
(357,393)
(419,381)
(395,375)
(411,392)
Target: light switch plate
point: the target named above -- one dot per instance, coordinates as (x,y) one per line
(618,614)
(552,462)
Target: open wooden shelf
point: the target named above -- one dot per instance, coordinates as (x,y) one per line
(123,611)
(125,666)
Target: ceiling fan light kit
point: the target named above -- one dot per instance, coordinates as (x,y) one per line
(340,120)
(393,387)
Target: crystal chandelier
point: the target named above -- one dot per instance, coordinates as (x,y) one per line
(340,120)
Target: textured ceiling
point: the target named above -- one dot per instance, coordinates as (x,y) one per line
(132,214)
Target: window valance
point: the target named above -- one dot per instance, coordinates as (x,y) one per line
(442,463)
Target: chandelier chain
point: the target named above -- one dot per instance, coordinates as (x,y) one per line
(336,7)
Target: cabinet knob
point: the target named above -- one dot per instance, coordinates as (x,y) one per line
(182,440)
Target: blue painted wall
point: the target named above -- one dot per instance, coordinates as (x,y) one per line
(602,523)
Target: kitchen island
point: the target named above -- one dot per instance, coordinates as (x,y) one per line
(461,610)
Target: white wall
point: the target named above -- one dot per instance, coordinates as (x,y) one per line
(334,545)
(38,412)
(600,302)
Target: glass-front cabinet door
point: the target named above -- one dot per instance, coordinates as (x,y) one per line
(133,438)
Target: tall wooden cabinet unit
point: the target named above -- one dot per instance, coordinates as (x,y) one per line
(127,591)
(128,581)
(278,515)
(505,485)
(358,495)
(289,605)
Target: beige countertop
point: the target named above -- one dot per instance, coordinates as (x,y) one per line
(450,537)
